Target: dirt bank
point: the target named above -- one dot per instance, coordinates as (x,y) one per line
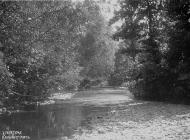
(140,121)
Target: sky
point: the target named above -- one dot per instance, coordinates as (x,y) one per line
(107,7)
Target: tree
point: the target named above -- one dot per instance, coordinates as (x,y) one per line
(144,23)
(97,47)
(40,51)
(6,77)
(178,54)
(156,36)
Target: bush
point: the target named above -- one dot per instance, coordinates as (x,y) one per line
(6,82)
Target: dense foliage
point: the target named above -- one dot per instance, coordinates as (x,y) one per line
(154,59)
(97,47)
(47,46)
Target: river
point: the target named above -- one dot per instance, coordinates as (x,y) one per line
(105,113)
(65,117)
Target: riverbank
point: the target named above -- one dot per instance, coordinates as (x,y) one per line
(140,121)
(28,106)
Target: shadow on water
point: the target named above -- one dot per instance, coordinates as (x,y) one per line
(84,111)
(64,118)
(51,121)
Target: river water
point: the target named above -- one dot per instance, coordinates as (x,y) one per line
(64,118)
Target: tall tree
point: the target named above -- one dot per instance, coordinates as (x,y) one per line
(143,31)
(39,44)
(178,54)
(97,47)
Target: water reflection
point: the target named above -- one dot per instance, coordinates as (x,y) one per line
(51,121)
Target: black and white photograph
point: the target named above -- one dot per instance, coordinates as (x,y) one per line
(94,69)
